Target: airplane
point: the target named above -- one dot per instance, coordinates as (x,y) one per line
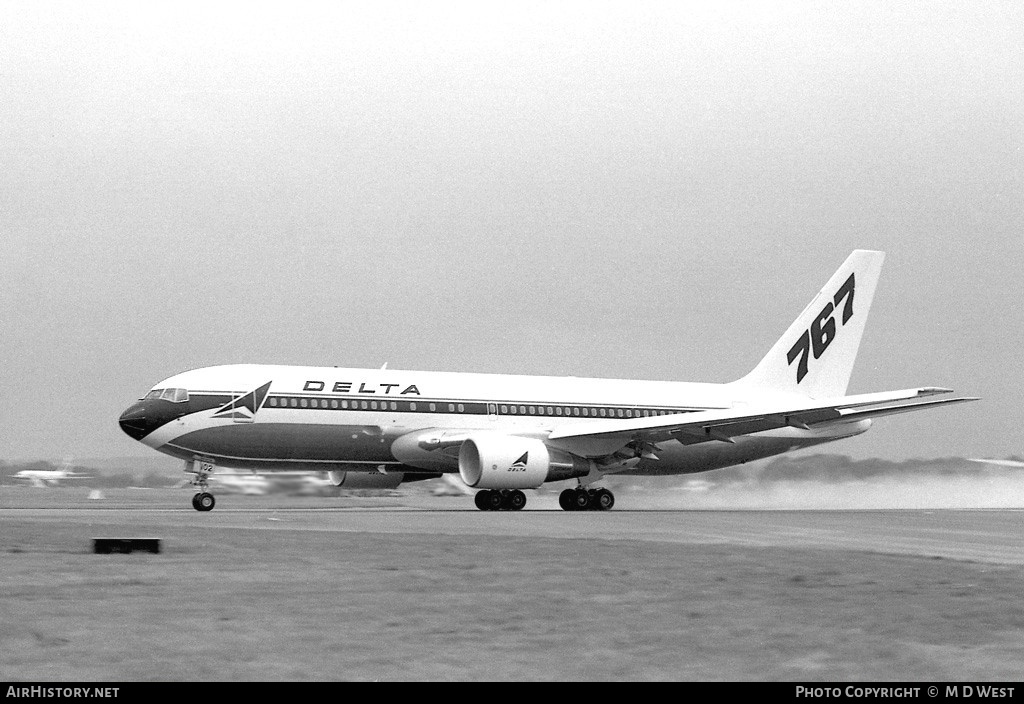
(42,478)
(242,482)
(378,428)
(257,484)
(1000,463)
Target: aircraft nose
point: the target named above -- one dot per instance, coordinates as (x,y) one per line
(133,422)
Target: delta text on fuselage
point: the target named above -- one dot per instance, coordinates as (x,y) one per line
(345,387)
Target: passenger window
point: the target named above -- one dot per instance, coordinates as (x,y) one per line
(451,408)
(433,406)
(412,406)
(394,406)
(504,409)
(462,408)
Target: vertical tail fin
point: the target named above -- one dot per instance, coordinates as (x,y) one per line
(816,354)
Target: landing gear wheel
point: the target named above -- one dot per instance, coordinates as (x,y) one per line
(565,499)
(495,500)
(203,502)
(586,499)
(581,500)
(498,500)
(515,500)
(481,500)
(604,500)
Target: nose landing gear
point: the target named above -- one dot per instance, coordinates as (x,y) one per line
(204,500)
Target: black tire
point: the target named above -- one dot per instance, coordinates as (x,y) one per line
(565,500)
(205,501)
(515,500)
(195,502)
(482,500)
(581,500)
(604,500)
(495,500)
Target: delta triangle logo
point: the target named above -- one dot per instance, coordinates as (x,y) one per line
(245,406)
(520,464)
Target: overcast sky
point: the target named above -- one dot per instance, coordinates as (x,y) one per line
(648,190)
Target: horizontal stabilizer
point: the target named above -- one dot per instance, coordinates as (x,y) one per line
(877,411)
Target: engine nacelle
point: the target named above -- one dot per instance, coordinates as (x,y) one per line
(495,461)
(365,480)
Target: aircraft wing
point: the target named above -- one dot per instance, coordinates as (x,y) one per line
(725,424)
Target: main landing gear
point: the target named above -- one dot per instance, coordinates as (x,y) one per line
(495,500)
(203,501)
(581,499)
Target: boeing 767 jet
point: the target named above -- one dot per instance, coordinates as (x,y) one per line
(504,434)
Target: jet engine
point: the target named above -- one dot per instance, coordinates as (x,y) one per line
(365,480)
(496,461)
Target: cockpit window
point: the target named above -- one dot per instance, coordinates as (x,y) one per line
(172,395)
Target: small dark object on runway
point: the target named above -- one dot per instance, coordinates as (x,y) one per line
(105,546)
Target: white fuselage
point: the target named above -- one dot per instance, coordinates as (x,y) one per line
(330,418)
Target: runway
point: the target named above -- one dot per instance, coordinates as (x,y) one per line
(410,586)
(989,536)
